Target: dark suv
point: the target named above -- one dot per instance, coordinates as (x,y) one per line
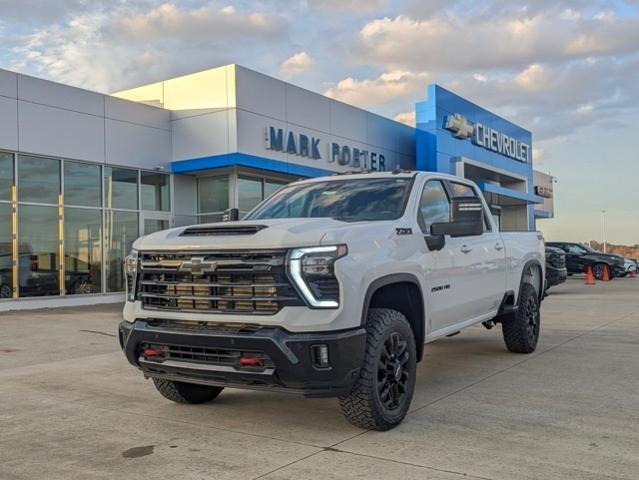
(579,257)
(556,272)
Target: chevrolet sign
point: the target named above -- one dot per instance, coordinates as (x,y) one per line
(487,137)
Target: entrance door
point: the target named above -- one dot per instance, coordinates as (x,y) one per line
(154,222)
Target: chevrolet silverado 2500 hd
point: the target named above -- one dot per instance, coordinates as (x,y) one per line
(330,287)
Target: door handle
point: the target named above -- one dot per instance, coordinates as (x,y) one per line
(499,246)
(465,249)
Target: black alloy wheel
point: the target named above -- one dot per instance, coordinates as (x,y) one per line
(392,372)
(531,313)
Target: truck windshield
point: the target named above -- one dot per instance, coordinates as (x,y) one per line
(350,200)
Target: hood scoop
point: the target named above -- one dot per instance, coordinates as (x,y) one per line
(214,230)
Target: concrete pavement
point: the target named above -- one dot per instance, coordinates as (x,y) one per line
(72,408)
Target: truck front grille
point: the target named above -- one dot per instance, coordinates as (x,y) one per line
(208,356)
(556,260)
(216,282)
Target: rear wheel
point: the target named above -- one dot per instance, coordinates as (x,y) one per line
(521,330)
(382,394)
(181,392)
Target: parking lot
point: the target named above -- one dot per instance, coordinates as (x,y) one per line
(72,408)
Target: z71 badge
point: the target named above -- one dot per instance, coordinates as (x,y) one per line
(404,231)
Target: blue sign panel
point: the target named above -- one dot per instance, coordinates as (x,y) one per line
(450,128)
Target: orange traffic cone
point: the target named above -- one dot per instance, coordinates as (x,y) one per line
(590,278)
(606,275)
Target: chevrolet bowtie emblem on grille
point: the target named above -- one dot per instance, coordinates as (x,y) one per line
(459,125)
(198,266)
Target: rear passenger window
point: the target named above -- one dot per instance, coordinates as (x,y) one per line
(434,206)
(461,190)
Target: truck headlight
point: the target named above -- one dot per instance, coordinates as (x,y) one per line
(131,263)
(312,270)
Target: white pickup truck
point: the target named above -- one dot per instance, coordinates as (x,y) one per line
(330,287)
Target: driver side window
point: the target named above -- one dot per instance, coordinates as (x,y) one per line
(434,205)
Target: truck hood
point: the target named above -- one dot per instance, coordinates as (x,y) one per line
(263,234)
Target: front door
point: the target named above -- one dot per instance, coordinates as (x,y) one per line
(482,259)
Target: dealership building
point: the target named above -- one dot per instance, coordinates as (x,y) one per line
(83,174)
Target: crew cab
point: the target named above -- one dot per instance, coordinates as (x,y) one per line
(579,257)
(330,287)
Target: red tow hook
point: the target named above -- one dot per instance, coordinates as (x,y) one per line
(251,362)
(152,352)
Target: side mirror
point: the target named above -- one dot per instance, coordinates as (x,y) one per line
(231,215)
(467,219)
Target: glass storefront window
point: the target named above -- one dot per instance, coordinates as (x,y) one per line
(121,229)
(270,187)
(6,175)
(82,250)
(152,225)
(38,244)
(38,179)
(213,193)
(82,184)
(213,218)
(6,251)
(249,193)
(121,188)
(155,191)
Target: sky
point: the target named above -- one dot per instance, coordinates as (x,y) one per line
(568,70)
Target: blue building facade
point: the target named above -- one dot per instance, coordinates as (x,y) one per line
(458,137)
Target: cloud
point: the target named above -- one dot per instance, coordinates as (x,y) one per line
(352,5)
(200,24)
(406,117)
(452,42)
(295,65)
(555,100)
(383,89)
(120,47)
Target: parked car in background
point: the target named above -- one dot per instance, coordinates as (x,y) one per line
(579,257)
(556,271)
(630,266)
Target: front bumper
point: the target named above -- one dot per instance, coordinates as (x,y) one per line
(618,270)
(291,365)
(555,276)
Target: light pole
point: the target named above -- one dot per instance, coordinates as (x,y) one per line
(603,226)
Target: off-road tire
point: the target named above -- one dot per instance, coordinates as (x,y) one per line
(190,393)
(521,329)
(363,406)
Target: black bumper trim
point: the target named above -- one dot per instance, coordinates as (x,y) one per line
(290,352)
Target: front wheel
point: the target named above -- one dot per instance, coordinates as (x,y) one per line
(382,394)
(598,270)
(181,392)
(521,329)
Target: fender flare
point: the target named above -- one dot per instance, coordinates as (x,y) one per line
(390,279)
(527,265)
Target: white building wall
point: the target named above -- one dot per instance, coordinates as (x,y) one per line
(50,119)
(228,109)
(264,102)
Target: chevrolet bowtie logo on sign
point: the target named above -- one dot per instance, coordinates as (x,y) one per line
(460,126)
(487,138)
(198,266)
